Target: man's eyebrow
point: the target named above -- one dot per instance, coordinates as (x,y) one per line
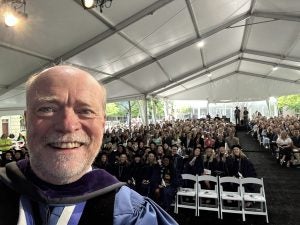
(47,99)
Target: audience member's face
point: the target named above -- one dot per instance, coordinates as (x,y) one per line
(236,151)
(283,134)
(65,123)
(222,150)
(160,150)
(8,156)
(137,159)
(197,152)
(103,158)
(208,151)
(296,132)
(151,157)
(166,161)
(123,158)
(174,150)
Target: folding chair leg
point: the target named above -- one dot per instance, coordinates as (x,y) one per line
(267,217)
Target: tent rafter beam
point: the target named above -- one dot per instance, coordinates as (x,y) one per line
(176,48)
(205,83)
(196,28)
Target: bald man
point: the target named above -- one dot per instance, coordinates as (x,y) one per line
(65,118)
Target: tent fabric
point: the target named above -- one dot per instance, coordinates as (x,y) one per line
(140,48)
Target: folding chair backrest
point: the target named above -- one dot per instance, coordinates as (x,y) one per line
(187,176)
(257,182)
(189,179)
(208,178)
(230,180)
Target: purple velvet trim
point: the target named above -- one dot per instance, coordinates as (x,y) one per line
(94,180)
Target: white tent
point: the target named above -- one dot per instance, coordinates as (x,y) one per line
(141,48)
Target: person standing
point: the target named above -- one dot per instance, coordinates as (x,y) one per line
(65,122)
(5,143)
(237,117)
(246,117)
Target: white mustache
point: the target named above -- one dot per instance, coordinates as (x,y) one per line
(67,138)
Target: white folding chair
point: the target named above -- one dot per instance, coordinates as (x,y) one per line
(257,197)
(266,142)
(260,141)
(231,200)
(208,199)
(296,157)
(187,192)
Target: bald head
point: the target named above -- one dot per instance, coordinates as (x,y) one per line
(62,73)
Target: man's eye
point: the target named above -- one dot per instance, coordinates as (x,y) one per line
(45,111)
(86,113)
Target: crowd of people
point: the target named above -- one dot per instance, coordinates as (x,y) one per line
(151,159)
(280,134)
(12,149)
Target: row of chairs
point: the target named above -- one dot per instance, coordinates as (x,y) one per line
(221,197)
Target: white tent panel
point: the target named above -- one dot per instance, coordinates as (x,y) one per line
(199,80)
(51,27)
(118,89)
(13,98)
(120,10)
(209,15)
(188,59)
(292,75)
(278,6)
(223,43)
(6,112)
(226,61)
(110,55)
(257,68)
(167,27)
(136,51)
(278,88)
(273,36)
(99,76)
(295,51)
(224,70)
(13,65)
(173,90)
(251,88)
(147,77)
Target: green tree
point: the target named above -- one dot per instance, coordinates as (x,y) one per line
(113,109)
(122,108)
(159,104)
(292,102)
(185,109)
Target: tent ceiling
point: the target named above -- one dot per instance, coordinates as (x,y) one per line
(140,48)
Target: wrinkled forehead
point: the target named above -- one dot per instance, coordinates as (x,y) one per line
(63,78)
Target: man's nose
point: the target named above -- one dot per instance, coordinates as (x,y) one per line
(67,121)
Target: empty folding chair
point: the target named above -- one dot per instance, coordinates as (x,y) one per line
(231,200)
(208,198)
(266,142)
(186,196)
(253,192)
(260,141)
